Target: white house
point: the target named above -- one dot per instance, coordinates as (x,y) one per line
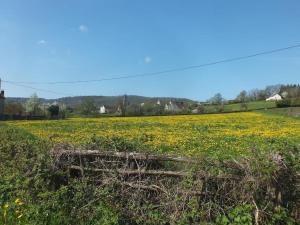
(54,103)
(276,97)
(195,111)
(174,106)
(102,109)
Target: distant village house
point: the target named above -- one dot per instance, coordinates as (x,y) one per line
(195,111)
(173,106)
(276,97)
(102,109)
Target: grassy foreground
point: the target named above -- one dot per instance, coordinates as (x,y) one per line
(33,191)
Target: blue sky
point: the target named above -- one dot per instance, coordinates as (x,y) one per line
(66,40)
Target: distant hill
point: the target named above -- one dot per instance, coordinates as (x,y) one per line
(104,100)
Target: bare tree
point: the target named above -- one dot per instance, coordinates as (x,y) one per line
(217,99)
(88,106)
(32,105)
(242,97)
(273,89)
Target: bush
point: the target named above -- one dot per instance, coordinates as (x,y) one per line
(283,103)
(32,191)
(240,215)
(290,102)
(295,102)
(53,110)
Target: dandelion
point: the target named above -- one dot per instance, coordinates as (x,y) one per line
(19,202)
(235,133)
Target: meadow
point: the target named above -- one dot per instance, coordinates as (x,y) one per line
(234,107)
(235,150)
(227,134)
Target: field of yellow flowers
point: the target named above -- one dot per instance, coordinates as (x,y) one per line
(235,133)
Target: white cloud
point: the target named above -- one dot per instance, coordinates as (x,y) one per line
(83,28)
(42,42)
(147,59)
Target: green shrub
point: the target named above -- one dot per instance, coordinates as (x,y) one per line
(240,215)
(281,216)
(283,103)
(295,102)
(291,102)
(32,191)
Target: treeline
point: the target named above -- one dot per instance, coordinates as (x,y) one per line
(290,91)
(126,106)
(247,96)
(217,103)
(34,108)
(285,91)
(290,95)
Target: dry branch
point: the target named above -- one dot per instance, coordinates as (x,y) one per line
(124,155)
(133,172)
(199,174)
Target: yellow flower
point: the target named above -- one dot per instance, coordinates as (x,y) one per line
(19,202)
(183,134)
(6,206)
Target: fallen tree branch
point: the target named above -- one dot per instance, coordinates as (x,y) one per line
(199,174)
(134,172)
(123,155)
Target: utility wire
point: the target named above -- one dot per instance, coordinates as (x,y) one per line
(37,89)
(119,77)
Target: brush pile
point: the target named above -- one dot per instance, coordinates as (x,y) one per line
(167,189)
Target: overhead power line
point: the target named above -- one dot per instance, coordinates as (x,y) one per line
(36,89)
(126,76)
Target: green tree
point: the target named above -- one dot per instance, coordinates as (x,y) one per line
(53,110)
(88,106)
(242,96)
(217,99)
(134,110)
(32,105)
(63,110)
(13,109)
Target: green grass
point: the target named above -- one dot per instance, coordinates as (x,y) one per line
(290,112)
(218,135)
(50,196)
(251,105)
(255,105)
